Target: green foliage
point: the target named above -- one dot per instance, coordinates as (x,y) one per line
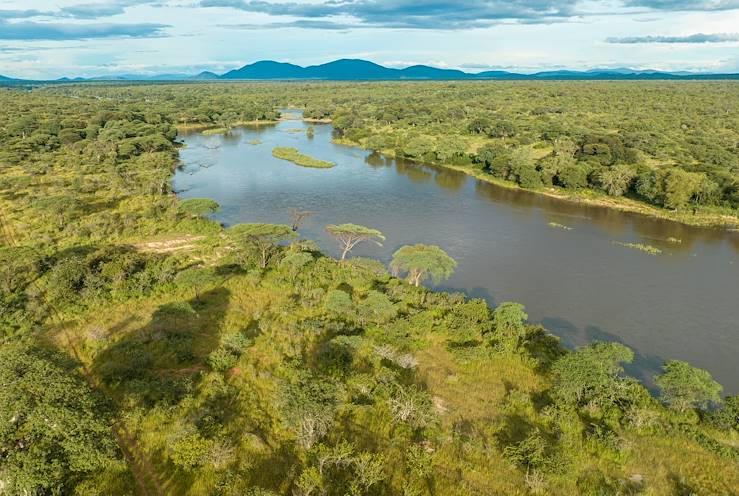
(509,325)
(592,374)
(423,262)
(197,207)
(189,452)
(684,386)
(308,405)
(349,235)
(260,238)
(294,156)
(726,417)
(55,430)
(339,303)
(376,307)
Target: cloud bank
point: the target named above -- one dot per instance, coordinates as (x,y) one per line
(693,38)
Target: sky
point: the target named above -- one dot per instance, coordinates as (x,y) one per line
(47,39)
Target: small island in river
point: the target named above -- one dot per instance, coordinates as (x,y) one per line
(294,156)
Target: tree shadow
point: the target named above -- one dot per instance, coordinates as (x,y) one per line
(155,363)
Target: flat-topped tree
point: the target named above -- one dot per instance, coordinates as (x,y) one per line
(422,262)
(349,235)
(263,238)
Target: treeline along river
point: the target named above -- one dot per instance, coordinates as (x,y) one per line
(562,260)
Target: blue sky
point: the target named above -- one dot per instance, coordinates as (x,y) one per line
(54,38)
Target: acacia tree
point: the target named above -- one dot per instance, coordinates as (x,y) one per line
(684,386)
(422,262)
(349,235)
(263,238)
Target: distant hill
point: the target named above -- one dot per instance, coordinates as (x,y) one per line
(205,75)
(364,70)
(266,69)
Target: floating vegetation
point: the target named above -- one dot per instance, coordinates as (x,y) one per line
(294,156)
(294,130)
(641,247)
(560,226)
(218,130)
(674,241)
(255,142)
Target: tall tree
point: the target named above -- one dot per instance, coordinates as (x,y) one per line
(263,238)
(422,262)
(350,235)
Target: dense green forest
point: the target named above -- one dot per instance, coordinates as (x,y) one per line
(148,350)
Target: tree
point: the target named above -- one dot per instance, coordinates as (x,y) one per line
(479,125)
(684,387)
(349,235)
(376,307)
(263,238)
(197,207)
(340,303)
(509,324)
(55,430)
(523,166)
(616,180)
(422,262)
(591,374)
(574,175)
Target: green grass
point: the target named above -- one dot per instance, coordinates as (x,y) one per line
(294,156)
(214,131)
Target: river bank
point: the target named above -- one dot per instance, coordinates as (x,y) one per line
(587,196)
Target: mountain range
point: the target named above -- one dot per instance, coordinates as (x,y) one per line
(363,70)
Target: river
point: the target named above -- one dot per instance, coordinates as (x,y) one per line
(681,304)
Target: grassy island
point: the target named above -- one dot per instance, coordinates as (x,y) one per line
(294,156)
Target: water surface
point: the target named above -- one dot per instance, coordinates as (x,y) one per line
(681,304)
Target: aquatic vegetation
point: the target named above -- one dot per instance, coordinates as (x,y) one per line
(559,226)
(640,246)
(294,156)
(215,131)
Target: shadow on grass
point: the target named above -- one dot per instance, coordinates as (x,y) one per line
(155,363)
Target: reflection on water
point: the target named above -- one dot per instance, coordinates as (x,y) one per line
(681,304)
